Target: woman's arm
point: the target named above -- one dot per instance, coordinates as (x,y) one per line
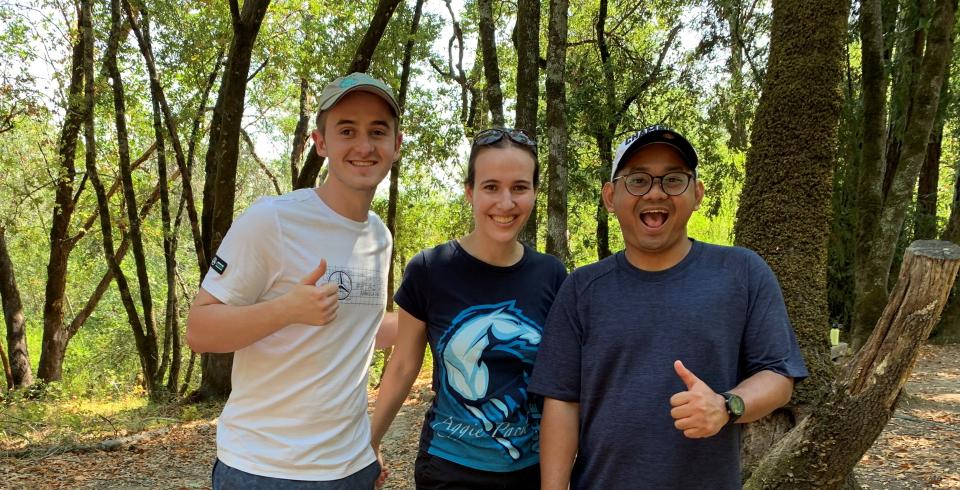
(399,375)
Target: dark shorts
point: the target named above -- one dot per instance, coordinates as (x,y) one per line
(435,473)
(229,478)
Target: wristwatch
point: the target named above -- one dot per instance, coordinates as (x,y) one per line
(734,405)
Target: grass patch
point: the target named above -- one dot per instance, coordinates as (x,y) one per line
(55,420)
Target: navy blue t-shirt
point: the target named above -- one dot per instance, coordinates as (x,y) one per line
(484,324)
(610,342)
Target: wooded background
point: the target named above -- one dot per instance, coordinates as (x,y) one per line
(132,132)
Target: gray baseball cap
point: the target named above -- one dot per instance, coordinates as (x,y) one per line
(335,90)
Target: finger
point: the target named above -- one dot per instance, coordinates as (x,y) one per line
(315,275)
(684,424)
(693,434)
(681,398)
(688,378)
(328,289)
(681,412)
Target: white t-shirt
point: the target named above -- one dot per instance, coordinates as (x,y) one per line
(298,409)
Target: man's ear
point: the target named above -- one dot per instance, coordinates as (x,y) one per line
(607,193)
(396,146)
(699,191)
(319,142)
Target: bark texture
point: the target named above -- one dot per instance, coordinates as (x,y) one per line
(557,136)
(219,190)
(53,347)
(18,362)
(491,66)
(924,104)
(823,449)
(527,40)
(785,206)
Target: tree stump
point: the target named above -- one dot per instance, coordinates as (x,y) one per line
(823,449)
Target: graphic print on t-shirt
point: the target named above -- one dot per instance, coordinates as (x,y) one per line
(357,286)
(486,357)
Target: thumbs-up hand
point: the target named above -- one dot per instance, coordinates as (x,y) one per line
(699,411)
(310,303)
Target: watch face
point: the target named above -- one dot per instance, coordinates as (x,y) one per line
(735,404)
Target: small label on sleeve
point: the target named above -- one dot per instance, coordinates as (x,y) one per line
(218,264)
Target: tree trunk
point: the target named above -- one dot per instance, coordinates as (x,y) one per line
(104,284)
(784,211)
(948,330)
(171,335)
(53,348)
(823,449)
(219,190)
(395,169)
(557,132)
(361,63)
(869,193)
(184,162)
(925,217)
(144,330)
(924,104)
(491,67)
(301,135)
(527,36)
(18,363)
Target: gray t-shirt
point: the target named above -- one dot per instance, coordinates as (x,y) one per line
(609,344)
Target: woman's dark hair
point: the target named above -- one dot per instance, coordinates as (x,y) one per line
(508,139)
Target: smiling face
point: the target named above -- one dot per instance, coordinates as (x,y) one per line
(502,193)
(654,225)
(360,140)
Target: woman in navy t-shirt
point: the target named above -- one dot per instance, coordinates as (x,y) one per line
(480,303)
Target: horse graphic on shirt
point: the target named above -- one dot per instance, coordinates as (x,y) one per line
(487,357)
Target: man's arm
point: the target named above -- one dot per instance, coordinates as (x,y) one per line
(559,437)
(213,326)
(762,393)
(702,412)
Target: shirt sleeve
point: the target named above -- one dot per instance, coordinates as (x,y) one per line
(556,372)
(247,262)
(769,343)
(413,294)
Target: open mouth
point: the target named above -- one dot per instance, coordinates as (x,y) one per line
(654,219)
(503,220)
(362,163)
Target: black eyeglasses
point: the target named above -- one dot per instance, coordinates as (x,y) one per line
(640,183)
(493,135)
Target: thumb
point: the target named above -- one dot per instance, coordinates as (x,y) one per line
(688,378)
(315,275)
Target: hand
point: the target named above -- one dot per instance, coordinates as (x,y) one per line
(384,472)
(699,411)
(313,304)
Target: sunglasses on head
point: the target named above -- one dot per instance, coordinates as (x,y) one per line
(493,135)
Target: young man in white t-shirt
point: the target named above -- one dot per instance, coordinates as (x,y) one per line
(297,290)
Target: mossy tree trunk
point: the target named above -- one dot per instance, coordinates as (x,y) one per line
(527,40)
(785,205)
(823,449)
(557,244)
(923,106)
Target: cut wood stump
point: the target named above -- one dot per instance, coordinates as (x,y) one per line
(821,451)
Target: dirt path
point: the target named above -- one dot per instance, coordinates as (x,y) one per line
(918,449)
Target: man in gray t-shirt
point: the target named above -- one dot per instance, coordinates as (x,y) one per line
(651,357)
